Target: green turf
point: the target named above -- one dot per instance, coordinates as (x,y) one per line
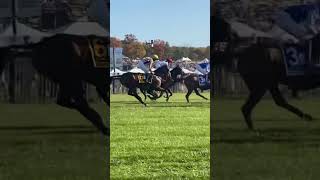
(162,141)
(46,142)
(286,147)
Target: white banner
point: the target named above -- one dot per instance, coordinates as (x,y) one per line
(118,58)
(5,8)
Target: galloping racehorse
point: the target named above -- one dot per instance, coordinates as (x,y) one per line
(191,81)
(71,60)
(134,81)
(261,71)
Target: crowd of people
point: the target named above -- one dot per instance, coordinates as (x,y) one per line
(149,64)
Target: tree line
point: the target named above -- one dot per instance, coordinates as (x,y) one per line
(133,48)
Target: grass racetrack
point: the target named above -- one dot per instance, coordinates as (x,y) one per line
(166,140)
(285,148)
(47,142)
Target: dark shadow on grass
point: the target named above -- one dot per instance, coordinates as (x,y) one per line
(270,135)
(163,104)
(256,120)
(10,128)
(124,102)
(71,131)
(179,104)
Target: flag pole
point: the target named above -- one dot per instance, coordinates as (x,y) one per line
(12,63)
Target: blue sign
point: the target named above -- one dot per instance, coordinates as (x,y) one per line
(295,58)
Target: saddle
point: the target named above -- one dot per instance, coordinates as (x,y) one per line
(144,78)
(99,52)
(140,77)
(93,46)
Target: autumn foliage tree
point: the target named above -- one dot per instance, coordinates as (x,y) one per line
(132,48)
(159,48)
(130,38)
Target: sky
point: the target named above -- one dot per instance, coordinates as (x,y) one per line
(179,22)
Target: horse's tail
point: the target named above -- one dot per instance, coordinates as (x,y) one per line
(124,79)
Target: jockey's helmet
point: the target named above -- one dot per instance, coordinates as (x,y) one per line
(155,57)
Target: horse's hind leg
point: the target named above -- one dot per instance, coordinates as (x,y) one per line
(71,97)
(280,101)
(83,107)
(168,94)
(188,94)
(253,99)
(197,93)
(133,92)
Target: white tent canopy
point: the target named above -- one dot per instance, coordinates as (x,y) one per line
(277,33)
(136,70)
(86,28)
(116,72)
(7,38)
(184,59)
(245,31)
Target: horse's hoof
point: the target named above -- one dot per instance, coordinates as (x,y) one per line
(257,133)
(307,117)
(250,127)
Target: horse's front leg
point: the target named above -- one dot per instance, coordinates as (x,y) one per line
(144,94)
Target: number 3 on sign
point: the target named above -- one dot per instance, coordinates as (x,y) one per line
(295,57)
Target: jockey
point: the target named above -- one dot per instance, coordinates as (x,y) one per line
(160,63)
(170,62)
(146,64)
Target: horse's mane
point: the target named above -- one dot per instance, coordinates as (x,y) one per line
(162,69)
